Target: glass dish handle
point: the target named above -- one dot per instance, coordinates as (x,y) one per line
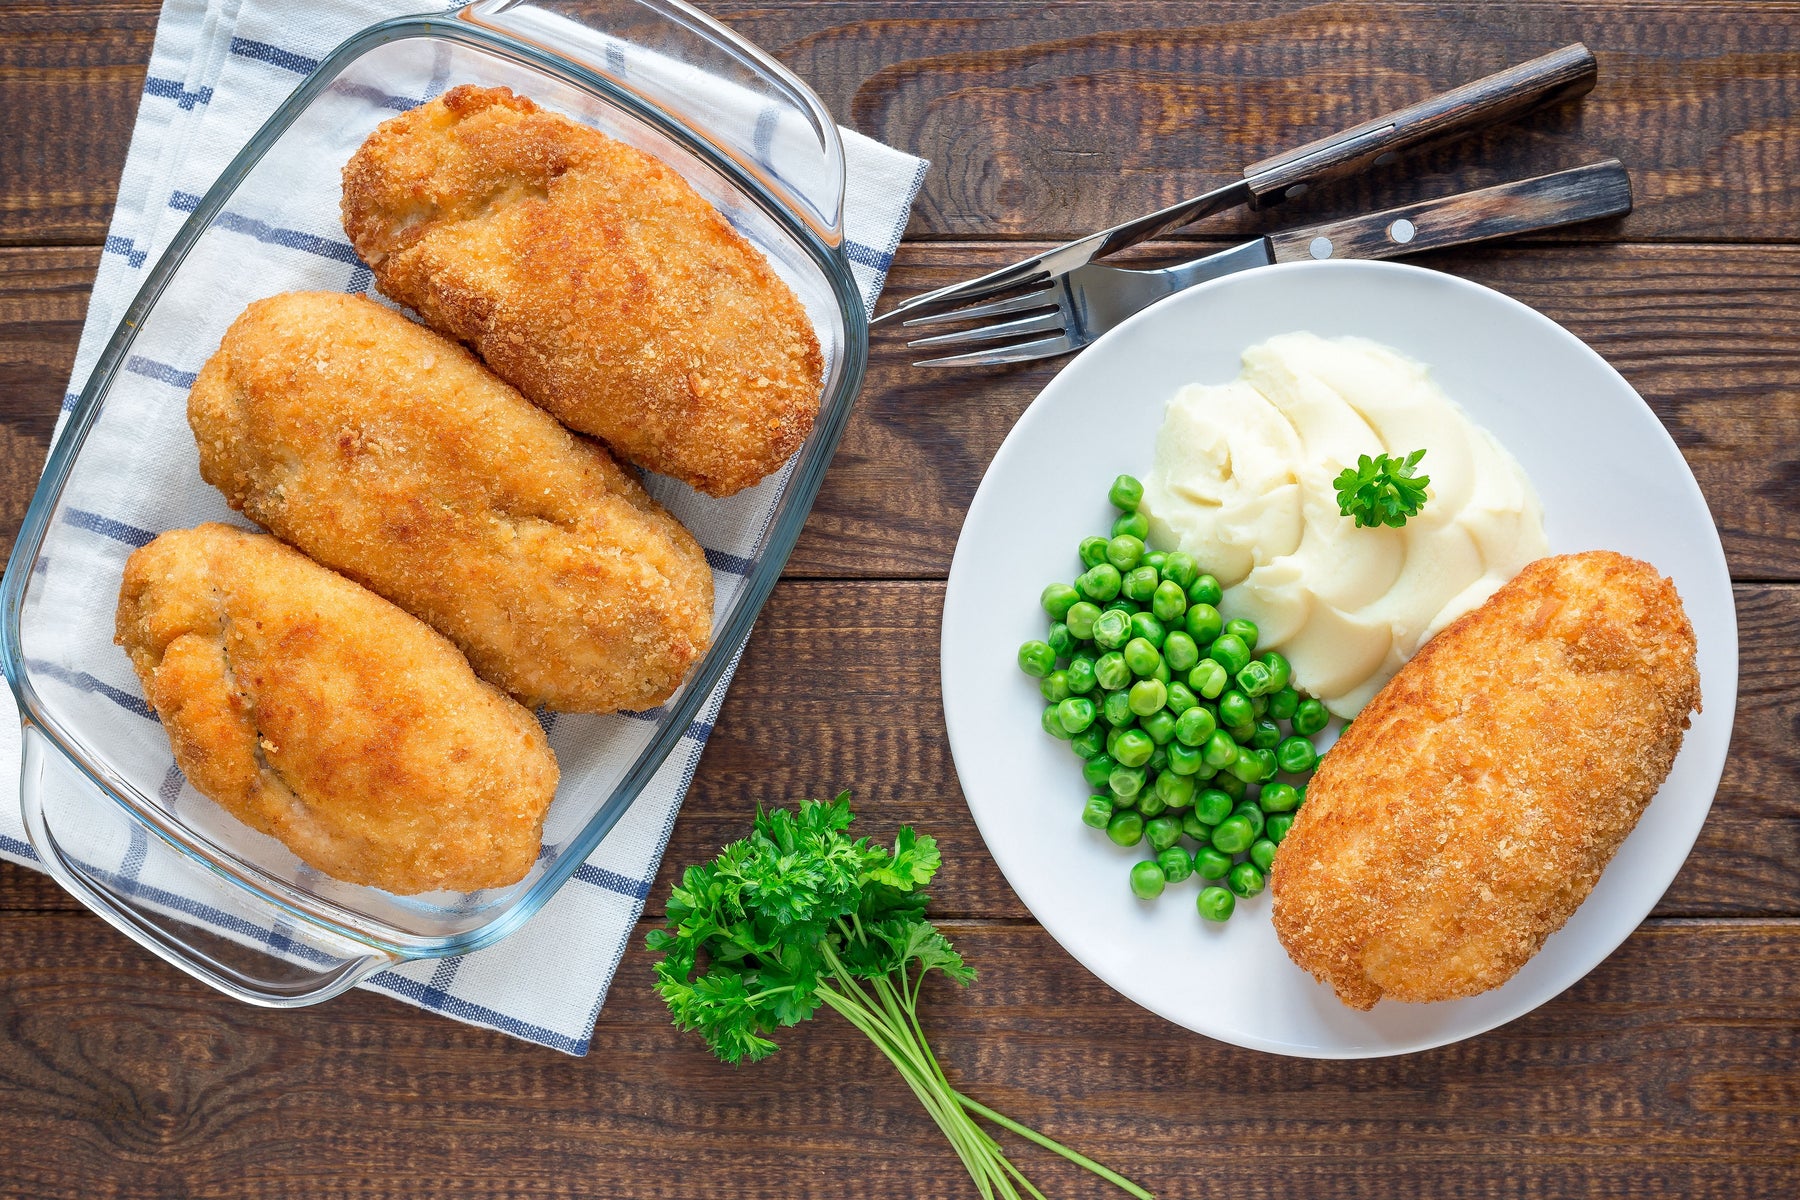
(725,90)
(233,967)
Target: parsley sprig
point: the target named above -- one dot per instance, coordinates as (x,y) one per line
(799,915)
(1382,490)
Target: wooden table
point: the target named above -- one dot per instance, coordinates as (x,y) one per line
(1671,1070)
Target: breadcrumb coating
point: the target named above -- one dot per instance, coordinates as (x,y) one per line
(593,278)
(390,454)
(313,710)
(1470,808)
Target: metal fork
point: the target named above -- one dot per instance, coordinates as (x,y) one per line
(1079,306)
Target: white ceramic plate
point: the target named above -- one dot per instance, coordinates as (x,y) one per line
(1610,478)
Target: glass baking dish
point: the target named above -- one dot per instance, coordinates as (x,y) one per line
(105,808)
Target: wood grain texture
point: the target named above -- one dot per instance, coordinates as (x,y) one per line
(1666,1072)
(1052,120)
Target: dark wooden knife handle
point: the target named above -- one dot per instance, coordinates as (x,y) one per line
(1560,75)
(1601,189)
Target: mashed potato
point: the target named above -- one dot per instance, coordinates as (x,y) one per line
(1243,482)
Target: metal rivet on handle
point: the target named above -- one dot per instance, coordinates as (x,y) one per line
(1298,190)
(1402,231)
(1320,247)
(1386,157)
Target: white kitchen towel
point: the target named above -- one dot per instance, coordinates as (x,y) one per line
(218,69)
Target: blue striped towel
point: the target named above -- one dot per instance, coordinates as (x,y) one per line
(217,70)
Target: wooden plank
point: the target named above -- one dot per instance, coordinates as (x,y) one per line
(70,78)
(839,689)
(1668,1071)
(1705,333)
(1057,119)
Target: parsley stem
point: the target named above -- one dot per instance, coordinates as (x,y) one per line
(1080,1160)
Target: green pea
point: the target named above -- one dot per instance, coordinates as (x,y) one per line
(1155,558)
(1141,656)
(1278,798)
(1116,709)
(1244,879)
(1183,760)
(1054,687)
(1210,864)
(1241,628)
(1168,601)
(1181,697)
(1177,791)
(1160,725)
(1246,767)
(1124,550)
(1205,590)
(1133,747)
(1159,760)
(1180,569)
(1037,659)
(1098,769)
(1267,735)
(1151,804)
(1309,717)
(1140,584)
(1280,668)
(1192,826)
(1234,709)
(1135,525)
(1179,650)
(1147,880)
(1060,641)
(1080,618)
(1088,742)
(1241,734)
(1125,493)
(1208,679)
(1076,713)
(1053,725)
(1080,676)
(1213,806)
(1229,651)
(1058,598)
(1126,828)
(1216,904)
(1162,674)
(1219,750)
(1092,551)
(1262,853)
(1252,814)
(1203,623)
(1099,583)
(1146,626)
(1111,671)
(1112,629)
(1148,696)
(1163,832)
(1255,679)
(1121,604)
(1260,706)
(1267,761)
(1233,835)
(1300,791)
(1195,726)
(1177,864)
(1097,812)
(1277,828)
(1126,782)
(1230,784)
(1283,703)
(1296,755)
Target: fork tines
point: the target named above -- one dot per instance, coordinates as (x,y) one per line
(1048,322)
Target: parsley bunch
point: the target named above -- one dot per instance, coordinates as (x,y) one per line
(1381,490)
(799,915)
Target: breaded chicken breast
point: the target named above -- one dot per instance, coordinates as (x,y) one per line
(311,709)
(1469,809)
(389,453)
(593,278)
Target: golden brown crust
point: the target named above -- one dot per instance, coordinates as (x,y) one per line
(1470,808)
(389,453)
(313,710)
(593,278)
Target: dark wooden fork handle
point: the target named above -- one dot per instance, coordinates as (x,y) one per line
(1587,193)
(1560,75)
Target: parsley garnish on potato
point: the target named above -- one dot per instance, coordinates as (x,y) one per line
(1381,490)
(797,915)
